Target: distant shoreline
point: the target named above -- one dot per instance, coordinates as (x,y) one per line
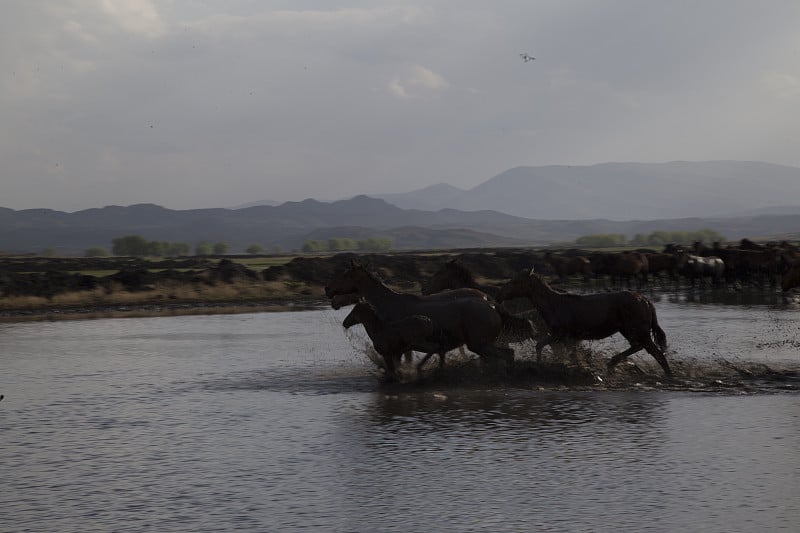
(153,309)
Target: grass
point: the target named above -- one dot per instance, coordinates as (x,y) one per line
(240,291)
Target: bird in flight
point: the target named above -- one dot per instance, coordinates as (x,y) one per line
(526,57)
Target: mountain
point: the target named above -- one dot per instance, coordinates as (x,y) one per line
(430,198)
(287,225)
(619,191)
(256,204)
(290,224)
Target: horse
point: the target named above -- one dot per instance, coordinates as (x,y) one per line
(662,263)
(567,266)
(464,316)
(791,278)
(343,300)
(695,267)
(454,275)
(592,316)
(621,266)
(392,339)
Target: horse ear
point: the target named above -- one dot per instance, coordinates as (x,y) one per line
(532,271)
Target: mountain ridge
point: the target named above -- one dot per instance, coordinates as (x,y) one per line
(620,191)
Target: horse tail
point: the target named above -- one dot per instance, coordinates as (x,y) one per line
(658,333)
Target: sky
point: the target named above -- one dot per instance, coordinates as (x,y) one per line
(194,104)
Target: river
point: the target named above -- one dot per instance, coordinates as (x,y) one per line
(277,422)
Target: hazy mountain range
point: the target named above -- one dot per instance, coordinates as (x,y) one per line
(737,199)
(622,191)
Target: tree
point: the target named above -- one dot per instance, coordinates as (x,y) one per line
(340,244)
(601,240)
(255,249)
(220,248)
(178,248)
(96,251)
(132,245)
(312,246)
(202,248)
(374,245)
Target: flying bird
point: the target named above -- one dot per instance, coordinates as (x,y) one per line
(526,57)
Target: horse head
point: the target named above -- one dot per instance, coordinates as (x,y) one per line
(516,286)
(348,282)
(356,315)
(452,275)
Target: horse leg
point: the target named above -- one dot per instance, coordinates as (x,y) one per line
(389,362)
(540,344)
(409,356)
(617,359)
(425,360)
(659,356)
(497,354)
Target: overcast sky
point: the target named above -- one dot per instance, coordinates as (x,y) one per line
(213,104)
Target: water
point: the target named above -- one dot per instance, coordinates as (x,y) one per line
(275,422)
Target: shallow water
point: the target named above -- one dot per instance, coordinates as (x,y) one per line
(276,422)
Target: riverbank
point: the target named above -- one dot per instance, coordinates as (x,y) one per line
(155,309)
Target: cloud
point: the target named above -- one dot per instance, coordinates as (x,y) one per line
(203,103)
(139,17)
(782,85)
(418,82)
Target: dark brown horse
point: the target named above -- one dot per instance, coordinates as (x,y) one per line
(621,267)
(454,275)
(392,339)
(592,316)
(791,278)
(568,266)
(343,300)
(464,316)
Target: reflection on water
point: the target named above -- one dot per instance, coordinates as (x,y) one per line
(275,422)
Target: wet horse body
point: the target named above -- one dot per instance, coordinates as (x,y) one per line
(464,316)
(454,276)
(592,316)
(392,339)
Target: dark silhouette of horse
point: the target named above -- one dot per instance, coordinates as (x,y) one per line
(621,267)
(791,278)
(343,300)
(569,266)
(391,339)
(464,316)
(592,316)
(662,264)
(454,275)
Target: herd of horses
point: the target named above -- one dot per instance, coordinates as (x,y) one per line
(747,263)
(468,315)
(455,311)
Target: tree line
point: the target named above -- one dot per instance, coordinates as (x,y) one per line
(345,244)
(138,246)
(656,238)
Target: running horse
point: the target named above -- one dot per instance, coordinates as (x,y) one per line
(592,316)
(464,316)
